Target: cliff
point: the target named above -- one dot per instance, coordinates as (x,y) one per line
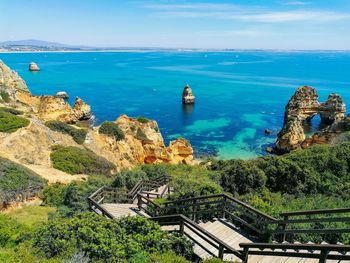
(32,145)
(301,108)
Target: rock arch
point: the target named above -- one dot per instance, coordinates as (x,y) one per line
(303,106)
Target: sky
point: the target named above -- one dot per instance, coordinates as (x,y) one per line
(236,24)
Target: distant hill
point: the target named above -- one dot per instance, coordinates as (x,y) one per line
(38,43)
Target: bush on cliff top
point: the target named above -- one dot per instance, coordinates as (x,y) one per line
(11,123)
(111,129)
(142,119)
(4,96)
(74,160)
(17,182)
(78,135)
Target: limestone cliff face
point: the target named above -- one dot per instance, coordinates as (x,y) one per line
(301,108)
(11,82)
(135,149)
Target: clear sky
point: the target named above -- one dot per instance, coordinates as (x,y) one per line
(275,24)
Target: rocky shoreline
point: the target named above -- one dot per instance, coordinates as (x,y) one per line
(32,145)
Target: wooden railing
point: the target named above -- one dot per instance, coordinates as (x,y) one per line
(221,206)
(315,222)
(253,221)
(321,252)
(192,230)
(114,195)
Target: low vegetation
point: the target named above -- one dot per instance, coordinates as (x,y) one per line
(111,129)
(17,183)
(11,110)
(74,160)
(78,135)
(142,119)
(4,96)
(9,122)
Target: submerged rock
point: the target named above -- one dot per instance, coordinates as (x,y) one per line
(187,96)
(33,67)
(302,107)
(62,94)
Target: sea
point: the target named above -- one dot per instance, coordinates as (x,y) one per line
(239,94)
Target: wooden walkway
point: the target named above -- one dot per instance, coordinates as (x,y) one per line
(226,232)
(218,237)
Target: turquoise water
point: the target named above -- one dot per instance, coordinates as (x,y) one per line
(239,94)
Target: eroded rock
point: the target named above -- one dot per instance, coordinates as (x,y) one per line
(302,107)
(33,67)
(187,96)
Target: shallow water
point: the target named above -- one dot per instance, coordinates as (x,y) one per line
(238,94)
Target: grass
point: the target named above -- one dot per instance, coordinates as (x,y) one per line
(31,215)
(10,123)
(74,160)
(111,129)
(78,135)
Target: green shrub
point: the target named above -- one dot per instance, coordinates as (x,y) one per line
(17,182)
(239,177)
(111,129)
(5,96)
(78,135)
(11,123)
(74,160)
(11,110)
(100,238)
(142,119)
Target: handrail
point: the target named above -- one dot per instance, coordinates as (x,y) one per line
(297,246)
(296,250)
(316,212)
(222,248)
(256,211)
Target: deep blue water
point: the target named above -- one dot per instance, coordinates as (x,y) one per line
(238,94)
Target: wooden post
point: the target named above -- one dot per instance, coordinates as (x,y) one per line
(245,255)
(323,256)
(223,207)
(182,227)
(194,209)
(139,201)
(283,228)
(221,252)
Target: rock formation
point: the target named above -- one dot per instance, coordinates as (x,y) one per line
(33,67)
(10,82)
(302,107)
(187,96)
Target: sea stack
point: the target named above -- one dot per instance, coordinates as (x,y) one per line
(33,67)
(187,96)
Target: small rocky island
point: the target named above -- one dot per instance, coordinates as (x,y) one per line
(187,96)
(301,108)
(33,67)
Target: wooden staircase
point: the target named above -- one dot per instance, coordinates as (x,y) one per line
(224,227)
